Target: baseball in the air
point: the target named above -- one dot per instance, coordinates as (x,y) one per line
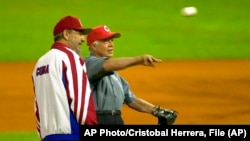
(189,11)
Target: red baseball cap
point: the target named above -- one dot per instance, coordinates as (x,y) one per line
(100,33)
(70,22)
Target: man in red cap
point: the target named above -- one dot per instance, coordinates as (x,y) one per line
(63,97)
(110,90)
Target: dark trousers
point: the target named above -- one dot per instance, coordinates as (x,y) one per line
(110,119)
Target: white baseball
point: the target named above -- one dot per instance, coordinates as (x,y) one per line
(189,11)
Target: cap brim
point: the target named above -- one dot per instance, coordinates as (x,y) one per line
(112,35)
(116,35)
(86,31)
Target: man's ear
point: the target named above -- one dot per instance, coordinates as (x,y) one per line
(66,34)
(92,45)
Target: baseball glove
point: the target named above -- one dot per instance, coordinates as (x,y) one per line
(165,116)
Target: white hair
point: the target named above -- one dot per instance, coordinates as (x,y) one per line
(95,42)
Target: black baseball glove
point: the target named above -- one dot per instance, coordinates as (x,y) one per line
(165,116)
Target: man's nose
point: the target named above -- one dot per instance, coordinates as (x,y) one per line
(83,38)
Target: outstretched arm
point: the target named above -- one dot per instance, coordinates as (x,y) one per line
(125,62)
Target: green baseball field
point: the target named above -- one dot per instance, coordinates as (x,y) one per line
(206,57)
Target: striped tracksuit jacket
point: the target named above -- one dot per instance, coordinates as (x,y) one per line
(63,98)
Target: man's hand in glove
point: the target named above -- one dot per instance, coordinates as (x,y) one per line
(165,116)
